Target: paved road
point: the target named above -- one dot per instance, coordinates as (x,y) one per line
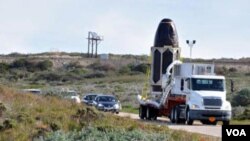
(196,128)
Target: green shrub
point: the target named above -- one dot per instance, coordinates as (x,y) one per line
(232,70)
(96,74)
(22,63)
(49,76)
(247,74)
(97,134)
(242,98)
(245,115)
(2,109)
(221,70)
(9,123)
(55,126)
(73,65)
(102,66)
(44,65)
(141,68)
(78,71)
(4,67)
(237,111)
(125,70)
(25,118)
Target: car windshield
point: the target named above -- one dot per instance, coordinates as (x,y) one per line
(107,99)
(91,97)
(208,84)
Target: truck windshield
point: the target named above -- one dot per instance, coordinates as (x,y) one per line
(208,84)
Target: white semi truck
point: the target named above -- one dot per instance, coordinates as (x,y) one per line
(184,92)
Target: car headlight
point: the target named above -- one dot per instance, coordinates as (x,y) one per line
(116,106)
(100,105)
(194,106)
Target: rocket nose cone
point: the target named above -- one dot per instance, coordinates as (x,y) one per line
(166,20)
(166,34)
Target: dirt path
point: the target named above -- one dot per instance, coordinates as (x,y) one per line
(196,128)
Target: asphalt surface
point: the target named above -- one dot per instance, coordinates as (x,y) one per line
(195,128)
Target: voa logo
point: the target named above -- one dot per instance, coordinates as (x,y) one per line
(236,132)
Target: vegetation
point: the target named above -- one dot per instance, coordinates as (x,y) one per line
(242,98)
(33,117)
(53,118)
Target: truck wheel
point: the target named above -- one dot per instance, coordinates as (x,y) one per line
(142,112)
(148,113)
(189,121)
(226,122)
(172,118)
(176,117)
(154,114)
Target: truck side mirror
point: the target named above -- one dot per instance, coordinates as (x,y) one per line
(182,84)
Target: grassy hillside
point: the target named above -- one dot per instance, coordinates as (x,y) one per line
(26,117)
(122,75)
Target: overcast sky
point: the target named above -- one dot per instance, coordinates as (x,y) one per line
(221,27)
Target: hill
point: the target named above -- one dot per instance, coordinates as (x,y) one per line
(26,117)
(122,75)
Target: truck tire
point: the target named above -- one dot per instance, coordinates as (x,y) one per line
(151,113)
(176,115)
(148,113)
(226,122)
(172,117)
(142,112)
(154,113)
(189,121)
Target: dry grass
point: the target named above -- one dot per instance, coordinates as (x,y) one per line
(29,116)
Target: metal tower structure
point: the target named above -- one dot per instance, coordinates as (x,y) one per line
(93,41)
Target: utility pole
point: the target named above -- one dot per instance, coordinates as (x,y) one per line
(190,44)
(88,43)
(96,44)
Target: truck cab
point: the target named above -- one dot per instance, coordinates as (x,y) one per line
(205,93)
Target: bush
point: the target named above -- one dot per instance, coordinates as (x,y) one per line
(232,70)
(74,65)
(51,76)
(221,70)
(125,70)
(141,68)
(2,109)
(244,116)
(237,111)
(102,66)
(9,123)
(4,67)
(21,63)
(78,71)
(98,134)
(97,74)
(31,65)
(44,65)
(242,98)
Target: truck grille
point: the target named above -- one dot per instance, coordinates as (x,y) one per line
(212,102)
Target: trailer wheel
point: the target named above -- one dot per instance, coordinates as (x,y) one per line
(189,121)
(172,117)
(142,112)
